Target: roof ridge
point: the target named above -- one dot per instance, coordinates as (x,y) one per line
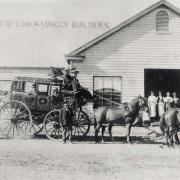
(120,26)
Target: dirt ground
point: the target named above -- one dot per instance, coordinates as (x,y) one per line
(40,158)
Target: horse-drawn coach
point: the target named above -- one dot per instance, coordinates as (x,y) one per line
(33,105)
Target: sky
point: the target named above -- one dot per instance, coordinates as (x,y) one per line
(38,33)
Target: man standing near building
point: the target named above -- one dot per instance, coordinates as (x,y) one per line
(66,121)
(152,102)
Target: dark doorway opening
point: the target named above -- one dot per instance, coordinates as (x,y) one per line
(161,80)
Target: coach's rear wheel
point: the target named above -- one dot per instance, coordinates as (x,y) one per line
(52,125)
(81,124)
(15,119)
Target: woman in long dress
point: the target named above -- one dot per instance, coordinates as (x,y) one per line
(161,105)
(175,100)
(152,102)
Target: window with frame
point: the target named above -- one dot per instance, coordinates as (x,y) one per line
(107,91)
(162,21)
(43,89)
(18,86)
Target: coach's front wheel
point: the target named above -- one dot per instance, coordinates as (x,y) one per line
(52,125)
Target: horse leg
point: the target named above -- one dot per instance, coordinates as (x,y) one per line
(110,131)
(171,134)
(102,133)
(128,131)
(171,139)
(167,137)
(96,133)
(176,138)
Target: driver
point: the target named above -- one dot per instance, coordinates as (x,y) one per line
(67,79)
(82,93)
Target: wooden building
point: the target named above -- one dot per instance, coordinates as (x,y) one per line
(139,55)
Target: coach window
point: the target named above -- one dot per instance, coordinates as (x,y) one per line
(43,89)
(18,86)
(162,21)
(107,91)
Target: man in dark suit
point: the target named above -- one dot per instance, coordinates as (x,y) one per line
(66,120)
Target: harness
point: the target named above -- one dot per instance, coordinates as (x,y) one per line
(130,109)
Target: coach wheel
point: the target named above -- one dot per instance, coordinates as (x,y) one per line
(81,124)
(52,125)
(15,119)
(36,128)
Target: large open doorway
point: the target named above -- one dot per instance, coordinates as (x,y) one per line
(161,80)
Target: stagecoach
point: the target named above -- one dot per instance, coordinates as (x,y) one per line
(26,112)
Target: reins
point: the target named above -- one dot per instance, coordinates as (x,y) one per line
(129,107)
(107,99)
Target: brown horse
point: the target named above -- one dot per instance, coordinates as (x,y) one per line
(124,114)
(169,125)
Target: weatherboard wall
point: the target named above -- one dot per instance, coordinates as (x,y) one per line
(129,51)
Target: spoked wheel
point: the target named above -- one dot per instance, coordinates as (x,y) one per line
(81,124)
(15,119)
(52,125)
(36,128)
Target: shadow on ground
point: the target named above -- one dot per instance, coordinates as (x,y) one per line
(107,140)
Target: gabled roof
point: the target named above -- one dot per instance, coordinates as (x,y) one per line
(76,52)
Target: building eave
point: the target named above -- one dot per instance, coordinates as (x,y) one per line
(76,58)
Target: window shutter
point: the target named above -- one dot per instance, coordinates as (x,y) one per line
(162,21)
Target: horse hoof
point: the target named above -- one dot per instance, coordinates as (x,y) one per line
(129,142)
(112,140)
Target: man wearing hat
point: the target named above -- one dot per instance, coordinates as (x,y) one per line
(76,83)
(82,94)
(67,79)
(66,121)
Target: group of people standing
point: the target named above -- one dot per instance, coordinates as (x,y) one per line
(158,105)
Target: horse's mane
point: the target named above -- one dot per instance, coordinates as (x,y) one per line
(135,100)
